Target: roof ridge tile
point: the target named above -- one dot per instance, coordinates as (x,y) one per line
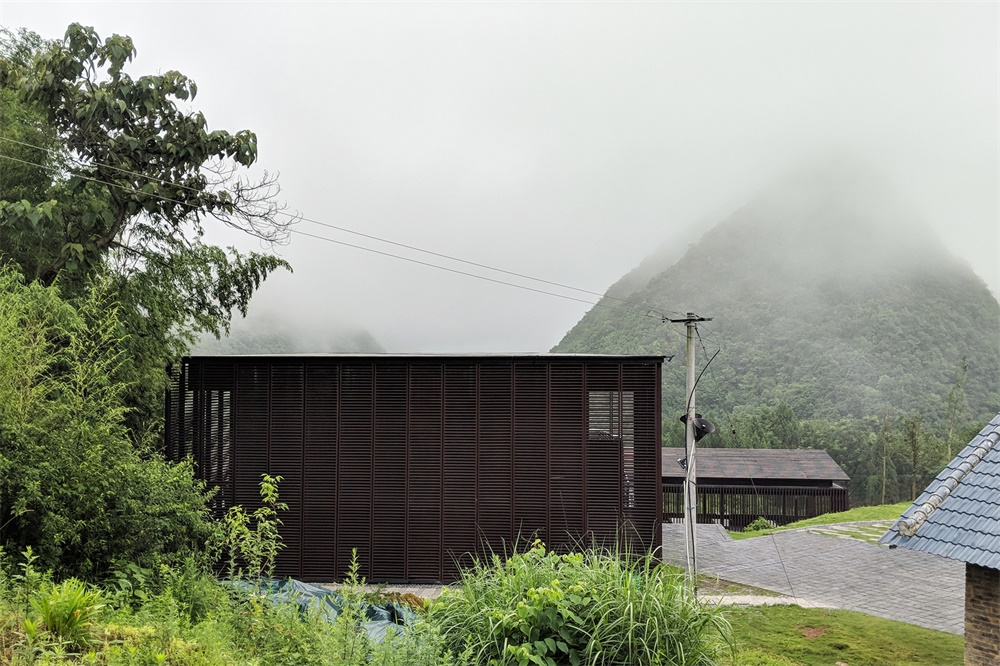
(909,526)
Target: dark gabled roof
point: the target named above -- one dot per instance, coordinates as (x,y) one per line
(958,515)
(793,464)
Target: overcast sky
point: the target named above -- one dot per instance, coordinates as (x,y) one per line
(561,140)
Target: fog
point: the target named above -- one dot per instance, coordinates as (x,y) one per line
(565,141)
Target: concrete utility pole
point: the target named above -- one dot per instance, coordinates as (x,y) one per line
(690,477)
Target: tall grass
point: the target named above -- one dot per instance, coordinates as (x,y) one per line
(183,616)
(594,607)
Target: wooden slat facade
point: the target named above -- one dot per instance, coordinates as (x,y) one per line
(416,462)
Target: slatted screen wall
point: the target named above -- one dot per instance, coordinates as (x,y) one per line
(417,463)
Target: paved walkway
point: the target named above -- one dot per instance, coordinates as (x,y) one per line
(817,570)
(755,600)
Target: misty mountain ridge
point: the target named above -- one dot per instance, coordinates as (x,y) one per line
(827,293)
(263,334)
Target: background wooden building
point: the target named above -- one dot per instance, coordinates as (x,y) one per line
(419,461)
(737,486)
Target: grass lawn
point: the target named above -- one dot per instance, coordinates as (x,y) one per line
(858,514)
(780,635)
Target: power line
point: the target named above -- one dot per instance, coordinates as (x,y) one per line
(774,541)
(700,341)
(691,395)
(648,313)
(715,337)
(364,235)
(453,270)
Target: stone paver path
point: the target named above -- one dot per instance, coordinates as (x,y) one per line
(847,573)
(870,532)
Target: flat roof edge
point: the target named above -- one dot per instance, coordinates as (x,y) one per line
(544,356)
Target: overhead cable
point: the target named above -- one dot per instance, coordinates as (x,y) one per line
(370,237)
(648,313)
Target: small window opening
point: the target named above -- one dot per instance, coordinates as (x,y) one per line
(611,418)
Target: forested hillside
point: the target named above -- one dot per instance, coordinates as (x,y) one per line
(836,311)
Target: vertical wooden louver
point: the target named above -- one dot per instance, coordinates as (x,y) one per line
(567,463)
(604,509)
(424,473)
(355,469)
(319,483)
(286,455)
(531,469)
(390,481)
(460,467)
(252,432)
(495,522)
(642,517)
(420,463)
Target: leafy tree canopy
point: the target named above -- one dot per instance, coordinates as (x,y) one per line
(103,173)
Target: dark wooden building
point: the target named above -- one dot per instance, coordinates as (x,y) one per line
(419,461)
(737,486)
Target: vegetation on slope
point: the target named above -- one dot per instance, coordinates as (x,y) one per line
(841,322)
(855,515)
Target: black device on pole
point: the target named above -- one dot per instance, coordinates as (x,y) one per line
(702,426)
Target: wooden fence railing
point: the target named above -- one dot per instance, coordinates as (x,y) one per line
(737,506)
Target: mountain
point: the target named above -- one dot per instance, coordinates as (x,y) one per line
(826,293)
(263,334)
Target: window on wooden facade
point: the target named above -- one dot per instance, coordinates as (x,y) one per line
(611,418)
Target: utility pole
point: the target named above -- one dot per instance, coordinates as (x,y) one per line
(690,477)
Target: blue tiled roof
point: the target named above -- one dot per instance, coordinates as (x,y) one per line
(958,515)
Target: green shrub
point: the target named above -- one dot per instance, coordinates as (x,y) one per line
(68,611)
(422,644)
(197,593)
(759,525)
(74,483)
(253,538)
(596,607)
(23,580)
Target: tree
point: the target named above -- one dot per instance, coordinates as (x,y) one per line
(956,404)
(881,481)
(785,426)
(30,147)
(849,442)
(750,428)
(74,484)
(119,180)
(914,446)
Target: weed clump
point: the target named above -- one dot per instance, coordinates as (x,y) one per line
(594,607)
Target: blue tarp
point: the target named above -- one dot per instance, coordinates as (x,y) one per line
(329,604)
